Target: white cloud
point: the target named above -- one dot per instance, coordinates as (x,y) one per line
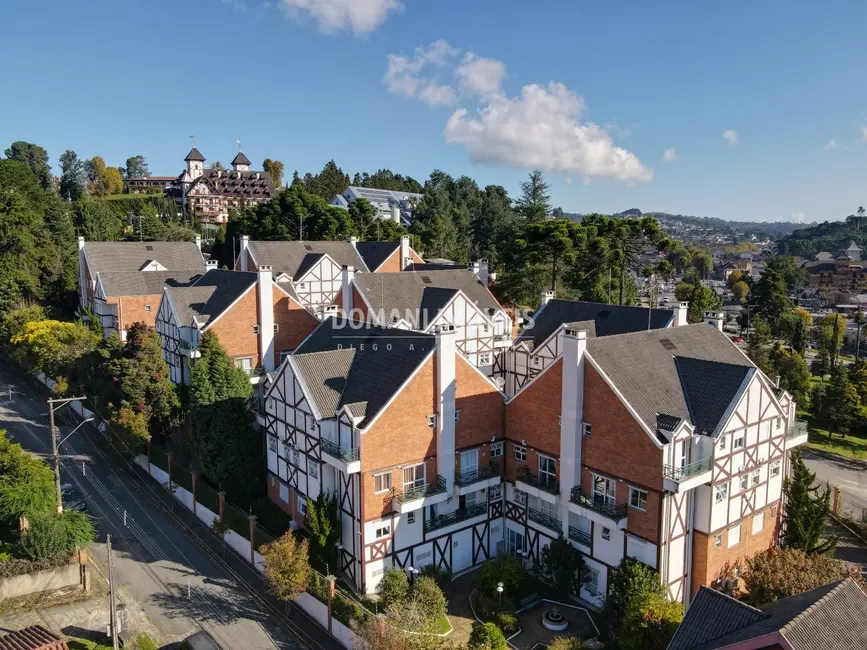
(541,129)
(831,144)
(480,76)
(669,155)
(731,137)
(863,136)
(799,217)
(404,75)
(362,16)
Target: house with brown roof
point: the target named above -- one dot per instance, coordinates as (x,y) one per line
(121,283)
(830,617)
(210,194)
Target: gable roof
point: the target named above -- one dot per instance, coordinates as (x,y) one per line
(709,387)
(209,296)
(195,154)
(310,260)
(644,368)
(241,159)
(248,184)
(374,253)
(104,257)
(343,366)
(144,283)
(423,294)
(609,319)
(830,617)
(288,256)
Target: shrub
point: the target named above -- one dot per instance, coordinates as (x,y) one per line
(287,570)
(487,636)
(429,598)
(442,577)
(57,535)
(270,516)
(506,569)
(508,622)
(346,611)
(650,623)
(631,581)
(565,643)
(393,588)
(561,566)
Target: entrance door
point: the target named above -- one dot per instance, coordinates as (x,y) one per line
(469,461)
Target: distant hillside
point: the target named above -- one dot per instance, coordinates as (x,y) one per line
(829,236)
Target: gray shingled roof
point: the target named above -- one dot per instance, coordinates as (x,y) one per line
(195,154)
(375,253)
(644,367)
(288,256)
(422,294)
(360,367)
(110,257)
(145,283)
(710,388)
(241,159)
(830,617)
(610,319)
(239,184)
(210,296)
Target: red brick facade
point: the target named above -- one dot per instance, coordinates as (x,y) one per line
(294,324)
(234,328)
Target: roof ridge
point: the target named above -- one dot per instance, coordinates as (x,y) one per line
(805,613)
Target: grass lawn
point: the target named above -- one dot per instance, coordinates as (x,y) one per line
(85,644)
(852,446)
(442,625)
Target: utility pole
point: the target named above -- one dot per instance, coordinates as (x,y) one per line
(55,456)
(112,602)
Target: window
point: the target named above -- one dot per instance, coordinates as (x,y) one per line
(722,492)
(496,449)
(457,415)
(776,467)
(485,359)
(757,477)
(537,361)
(739,441)
(431,421)
(377,572)
(745,481)
(717,540)
(422,556)
(276,327)
(410,518)
(413,477)
(734,535)
(284,493)
(272,443)
(758,522)
(604,490)
(773,512)
(722,443)
(147,307)
(255,329)
(296,458)
(520,454)
(779,423)
(312,468)
(303,285)
(520,497)
(638,498)
(382,482)
(606,534)
(547,470)
(495,491)
(302,506)
(591,581)
(587,429)
(245,364)
(383,531)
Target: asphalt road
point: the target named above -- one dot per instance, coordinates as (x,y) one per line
(178,585)
(851,478)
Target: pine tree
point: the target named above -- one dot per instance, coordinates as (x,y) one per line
(535,202)
(323,524)
(842,402)
(807,509)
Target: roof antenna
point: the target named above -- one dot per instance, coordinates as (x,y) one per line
(193,138)
(239,146)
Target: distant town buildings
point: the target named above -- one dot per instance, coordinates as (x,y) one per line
(389,205)
(838,276)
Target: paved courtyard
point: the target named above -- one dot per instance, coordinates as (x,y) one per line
(533,634)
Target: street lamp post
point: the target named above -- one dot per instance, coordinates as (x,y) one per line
(500,591)
(55,456)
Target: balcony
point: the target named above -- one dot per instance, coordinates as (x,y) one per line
(476,479)
(543,486)
(441,521)
(598,509)
(344,459)
(546,520)
(797,433)
(415,498)
(579,536)
(680,479)
(188,348)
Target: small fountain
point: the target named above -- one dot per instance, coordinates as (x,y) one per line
(553,620)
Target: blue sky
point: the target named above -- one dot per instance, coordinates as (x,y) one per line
(595,93)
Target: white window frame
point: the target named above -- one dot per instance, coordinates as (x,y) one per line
(722,443)
(284,490)
(417,481)
(734,533)
(302,505)
(606,534)
(241,362)
(147,307)
(757,477)
(744,481)
(547,468)
(272,443)
(717,540)
(776,467)
(457,415)
(431,421)
(586,429)
(722,493)
(485,359)
(256,329)
(495,491)
(381,478)
(739,441)
(497,449)
(383,531)
(312,467)
(520,452)
(410,518)
(759,518)
(591,581)
(639,492)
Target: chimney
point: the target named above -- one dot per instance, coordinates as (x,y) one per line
(547,296)
(405,259)
(346,303)
(445,417)
(266,318)
(680,314)
(395,214)
(80,243)
(245,242)
(714,318)
(354,242)
(211,265)
(480,270)
(199,242)
(571,412)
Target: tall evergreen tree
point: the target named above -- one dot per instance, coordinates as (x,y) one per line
(73,182)
(535,202)
(36,158)
(842,402)
(807,509)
